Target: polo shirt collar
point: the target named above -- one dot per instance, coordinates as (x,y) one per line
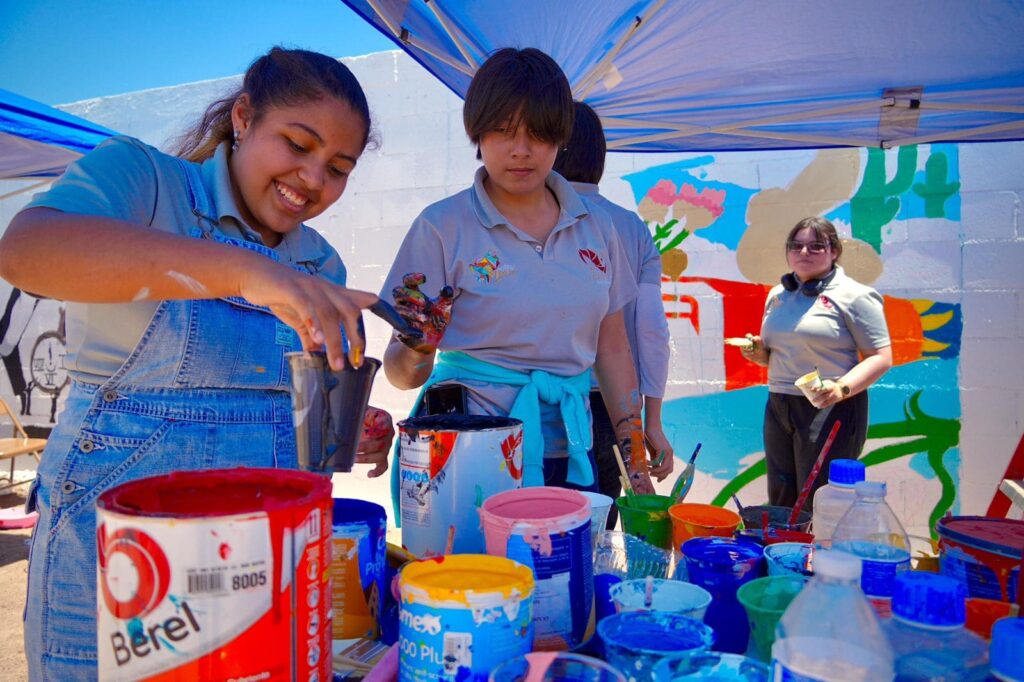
(296,246)
(585,189)
(571,207)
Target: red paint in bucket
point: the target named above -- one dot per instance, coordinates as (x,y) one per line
(982,552)
(215,575)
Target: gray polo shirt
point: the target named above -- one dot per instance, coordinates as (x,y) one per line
(825,331)
(520,304)
(128,180)
(642,255)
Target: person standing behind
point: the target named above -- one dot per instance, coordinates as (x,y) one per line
(187,279)
(581,162)
(530,283)
(817,318)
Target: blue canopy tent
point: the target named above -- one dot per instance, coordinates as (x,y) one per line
(38,141)
(692,75)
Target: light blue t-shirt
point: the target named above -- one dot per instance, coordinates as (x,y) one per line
(128,180)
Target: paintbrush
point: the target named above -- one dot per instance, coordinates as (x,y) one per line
(682,485)
(622,470)
(739,505)
(811,477)
(387,312)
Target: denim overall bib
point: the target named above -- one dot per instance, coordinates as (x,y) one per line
(206,387)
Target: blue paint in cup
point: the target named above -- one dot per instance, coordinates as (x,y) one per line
(635,641)
(721,566)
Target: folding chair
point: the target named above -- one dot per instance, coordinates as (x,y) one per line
(18,444)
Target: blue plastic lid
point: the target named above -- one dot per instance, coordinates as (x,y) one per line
(1007,644)
(845,471)
(929,599)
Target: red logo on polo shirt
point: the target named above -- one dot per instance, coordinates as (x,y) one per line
(588,256)
(825,301)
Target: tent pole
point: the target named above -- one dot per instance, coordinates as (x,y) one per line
(406,37)
(954,134)
(589,79)
(993,108)
(784,137)
(432,4)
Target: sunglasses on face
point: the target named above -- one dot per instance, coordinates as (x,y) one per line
(812,247)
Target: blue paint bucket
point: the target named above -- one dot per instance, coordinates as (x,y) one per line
(549,666)
(548,529)
(358,568)
(721,566)
(461,616)
(635,641)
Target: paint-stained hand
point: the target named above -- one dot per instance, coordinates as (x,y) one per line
(756,352)
(660,450)
(635,458)
(429,315)
(375,444)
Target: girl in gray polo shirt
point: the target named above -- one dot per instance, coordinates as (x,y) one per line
(532,281)
(817,318)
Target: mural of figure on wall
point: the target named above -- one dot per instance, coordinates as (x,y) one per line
(17,312)
(47,372)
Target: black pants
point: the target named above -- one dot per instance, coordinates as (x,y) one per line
(607,468)
(794,433)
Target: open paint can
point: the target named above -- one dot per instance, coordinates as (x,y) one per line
(215,575)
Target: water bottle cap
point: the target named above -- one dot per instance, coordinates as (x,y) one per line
(845,472)
(869,489)
(929,599)
(1007,643)
(830,563)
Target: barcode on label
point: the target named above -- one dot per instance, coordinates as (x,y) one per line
(201,583)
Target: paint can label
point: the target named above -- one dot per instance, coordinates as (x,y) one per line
(237,597)
(448,466)
(358,558)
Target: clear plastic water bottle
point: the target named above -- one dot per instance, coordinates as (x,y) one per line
(1008,650)
(832,501)
(830,633)
(870,530)
(927,631)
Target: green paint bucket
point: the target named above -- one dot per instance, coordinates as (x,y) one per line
(646,517)
(765,600)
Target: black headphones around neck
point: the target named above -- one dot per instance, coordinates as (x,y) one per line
(812,287)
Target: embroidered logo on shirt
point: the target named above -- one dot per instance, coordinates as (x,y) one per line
(588,256)
(825,302)
(489,268)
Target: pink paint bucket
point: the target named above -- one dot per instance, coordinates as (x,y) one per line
(216,574)
(547,529)
(448,465)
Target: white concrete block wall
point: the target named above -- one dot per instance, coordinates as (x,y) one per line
(424,156)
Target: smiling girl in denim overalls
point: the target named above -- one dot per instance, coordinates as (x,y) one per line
(176,334)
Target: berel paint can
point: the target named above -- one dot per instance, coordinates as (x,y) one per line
(448,465)
(462,615)
(215,575)
(358,560)
(548,529)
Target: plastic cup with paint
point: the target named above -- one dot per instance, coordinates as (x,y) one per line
(809,384)
(711,665)
(646,517)
(721,566)
(790,558)
(600,505)
(765,600)
(657,594)
(635,641)
(696,520)
(545,666)
(778,517)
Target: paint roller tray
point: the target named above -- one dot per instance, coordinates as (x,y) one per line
(15,517)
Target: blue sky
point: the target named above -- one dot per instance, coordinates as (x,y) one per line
(59,51)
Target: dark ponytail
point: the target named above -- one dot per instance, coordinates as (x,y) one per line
(280,78)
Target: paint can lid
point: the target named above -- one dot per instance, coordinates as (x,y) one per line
(929,599)
(870,490)
(830,563)
(845,472)
(1007,643)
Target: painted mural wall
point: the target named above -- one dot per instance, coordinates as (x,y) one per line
(936,229)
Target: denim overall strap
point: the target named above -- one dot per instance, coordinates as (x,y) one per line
(568,392)
(205,387)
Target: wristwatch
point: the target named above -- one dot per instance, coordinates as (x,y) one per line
(843,388)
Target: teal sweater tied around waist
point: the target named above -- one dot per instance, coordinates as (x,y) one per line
(569,393)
